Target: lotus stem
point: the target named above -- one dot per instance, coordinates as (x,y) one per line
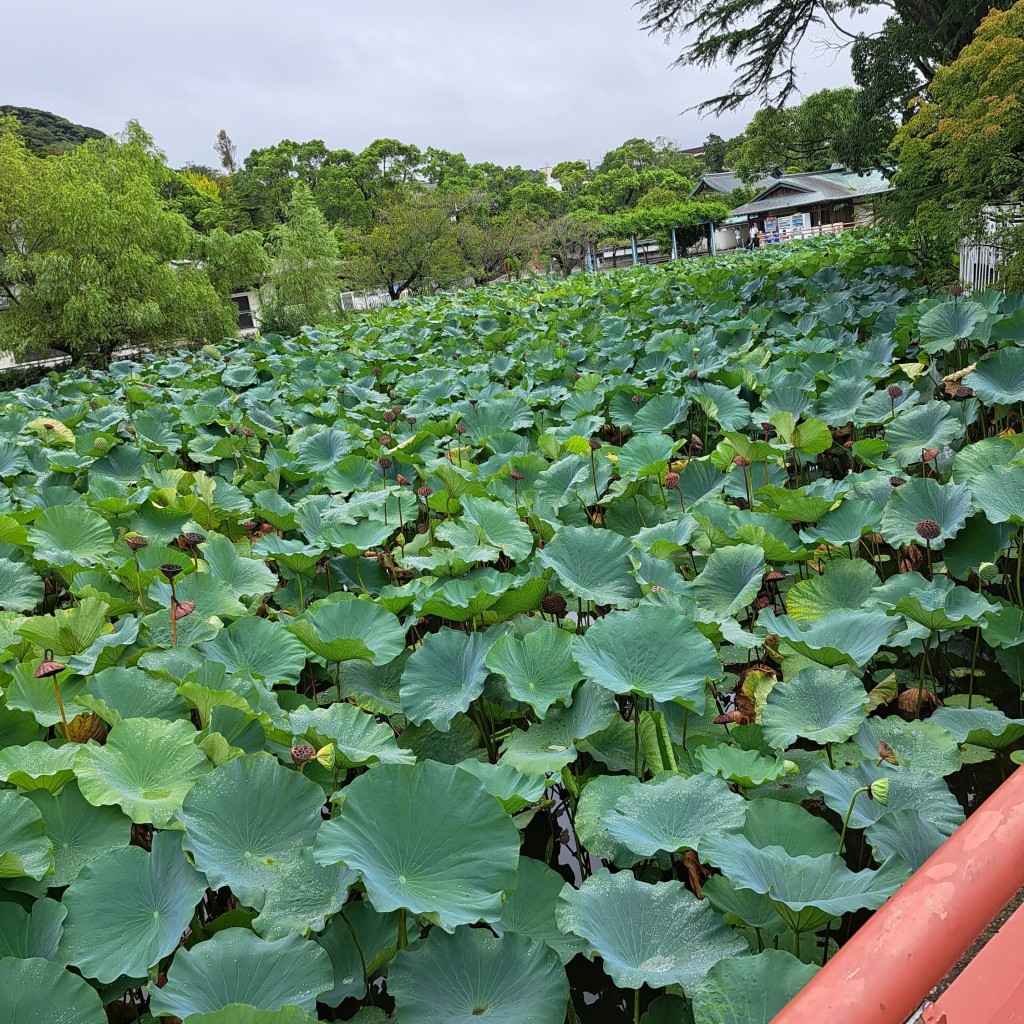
(636,737)
(174,624)
(403,935)
(849,812)
(60,706)
(636,1006)
(138,583)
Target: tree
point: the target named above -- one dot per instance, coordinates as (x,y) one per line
(761,38)
(569,238)
(235,262)
(963,150)
(47,134)
(488,245)
(412,243)
(90,257)
(715,148)
(826,128)
(227,151)
(302,287)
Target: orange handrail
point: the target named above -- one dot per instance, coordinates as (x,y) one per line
(883,974)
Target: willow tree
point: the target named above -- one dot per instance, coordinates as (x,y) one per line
(91,258)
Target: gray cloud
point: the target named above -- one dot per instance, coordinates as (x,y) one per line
(530,82)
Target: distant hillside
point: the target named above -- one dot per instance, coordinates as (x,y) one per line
(47,133)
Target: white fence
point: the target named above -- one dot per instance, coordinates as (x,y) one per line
(365,300)
(980,257)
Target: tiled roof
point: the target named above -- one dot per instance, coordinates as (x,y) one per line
(727,181)
(815,187)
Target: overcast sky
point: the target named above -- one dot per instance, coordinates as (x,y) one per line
(528,81)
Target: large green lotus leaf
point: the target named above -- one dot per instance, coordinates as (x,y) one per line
(806,891)
(37,991)
(262,648)
(748,769)
(751,990)
(20,588)
(244,576)
(236,966)
(949,505)
(923,426)
(36,696)
(999,378)
(211,596)
(514,790)
(146,767)
(461,600)
(652,651)
(843,586)
(198,628)
(983,727)
(594,565)
(548,746)
(949,322)
(25,934)
(128,909)
(997,492)
(470,975)
(237,1013)
(844,525)
(539,668)
(904,834)
(596,803)
(249,825)
(68,631)
(358,938)
(818,704)
(78,831)
(940,604)
(729,581)
(920,746)
(652,935)
(851,638)
(293,555)
(115,693)
(25,851)
(644,455)
(358,738)
(351,630)
(374,688)
(38,765)
(530,909)
(673,813)
(796,830)
(427,837)
(443,676)
(490,525)
(925,794)
(71,535)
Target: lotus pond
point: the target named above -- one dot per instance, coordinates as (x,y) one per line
(592,650)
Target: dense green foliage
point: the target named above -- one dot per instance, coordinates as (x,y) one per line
(552,606)
(47,134)
(962,153)
(91,259)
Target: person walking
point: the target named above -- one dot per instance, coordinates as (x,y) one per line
(739,239)
(753,236)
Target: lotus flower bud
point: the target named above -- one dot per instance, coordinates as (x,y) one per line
(894,391)
(879,790)
(928,529)
(553,604)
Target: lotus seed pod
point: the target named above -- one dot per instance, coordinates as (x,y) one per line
(879,791)
(928,454)
(637,399)
(963,392)
(384,440)
(191,540)
(987,572)
(696,443)
(388,416)
(460,428)
(136,541)
(671,480)
(302,752)
(741,461)
(411,420)
(170,570)
(404,481)
(554,604)
(894,391)
(896,481)
(384,462)
(516,475)
(594,444)
(424,491)
(956,289)
(928,529)
(249,525)
(248,432)
(48,667)
(183,608)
